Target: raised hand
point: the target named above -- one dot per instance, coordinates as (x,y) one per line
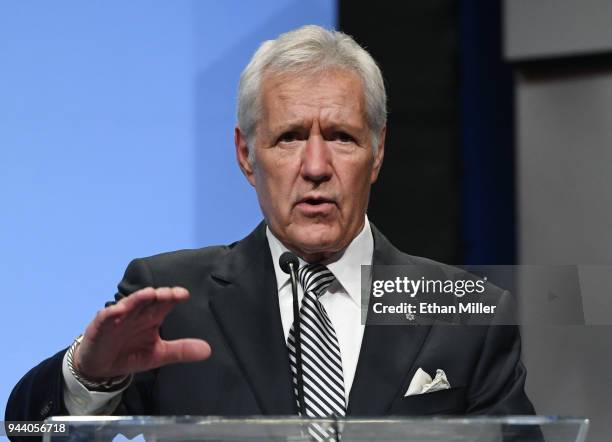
(124,338)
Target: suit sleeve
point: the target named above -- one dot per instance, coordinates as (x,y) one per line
(498,383)
(39,394)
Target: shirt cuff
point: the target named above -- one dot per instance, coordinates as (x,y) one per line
(80,401)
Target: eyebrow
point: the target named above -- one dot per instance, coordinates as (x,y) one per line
(299,124)
(288,126)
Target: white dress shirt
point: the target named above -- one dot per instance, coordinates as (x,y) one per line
(80,401)
(342,302)
(342,299)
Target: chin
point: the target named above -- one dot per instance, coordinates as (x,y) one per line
(319,240)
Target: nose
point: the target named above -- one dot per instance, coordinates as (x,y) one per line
(316,159)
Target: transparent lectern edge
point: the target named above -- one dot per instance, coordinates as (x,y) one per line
(203,420)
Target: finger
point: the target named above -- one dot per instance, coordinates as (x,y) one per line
(146,306)
(144,297)
(180,294)
(125,307)
(182,350)
(161,311)
(163,294)
(145,311)
(137,299)
(152,317)
(166,299)
(149,303)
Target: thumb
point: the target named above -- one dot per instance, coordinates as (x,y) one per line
(183,350)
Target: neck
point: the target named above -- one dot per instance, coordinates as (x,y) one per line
(321,257)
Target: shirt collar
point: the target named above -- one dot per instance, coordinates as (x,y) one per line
(346,268)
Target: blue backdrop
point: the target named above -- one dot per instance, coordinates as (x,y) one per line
(116,141)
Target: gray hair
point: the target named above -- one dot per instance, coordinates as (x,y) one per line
(309,50)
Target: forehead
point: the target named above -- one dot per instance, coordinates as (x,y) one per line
(332,94)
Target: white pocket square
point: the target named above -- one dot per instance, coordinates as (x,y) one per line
(423,383)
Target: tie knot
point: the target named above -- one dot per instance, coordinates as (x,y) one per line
(315,278)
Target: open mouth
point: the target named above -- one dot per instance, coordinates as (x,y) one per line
(316,201)
(316,206)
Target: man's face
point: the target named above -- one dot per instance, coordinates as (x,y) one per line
(314,161)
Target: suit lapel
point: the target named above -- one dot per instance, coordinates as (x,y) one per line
(387,352)
(246,307)
(245,304)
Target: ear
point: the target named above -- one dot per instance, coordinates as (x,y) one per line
(380,154)
(242,155)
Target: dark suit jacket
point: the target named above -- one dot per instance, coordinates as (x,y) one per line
(234,306)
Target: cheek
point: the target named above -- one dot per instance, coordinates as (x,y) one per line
(273,186)
(359,174)
(356,187)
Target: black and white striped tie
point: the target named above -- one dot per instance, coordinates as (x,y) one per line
(323,381)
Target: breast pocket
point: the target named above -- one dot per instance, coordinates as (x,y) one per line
(443,402)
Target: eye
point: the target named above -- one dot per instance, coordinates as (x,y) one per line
(288,137)
(343,137)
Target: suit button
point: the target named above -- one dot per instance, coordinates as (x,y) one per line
(44,411)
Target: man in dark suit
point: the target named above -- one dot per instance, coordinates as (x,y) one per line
(211,331)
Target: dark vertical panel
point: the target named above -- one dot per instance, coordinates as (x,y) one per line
(487,137)
(415,200)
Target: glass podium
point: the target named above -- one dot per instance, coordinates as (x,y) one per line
(295,429)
